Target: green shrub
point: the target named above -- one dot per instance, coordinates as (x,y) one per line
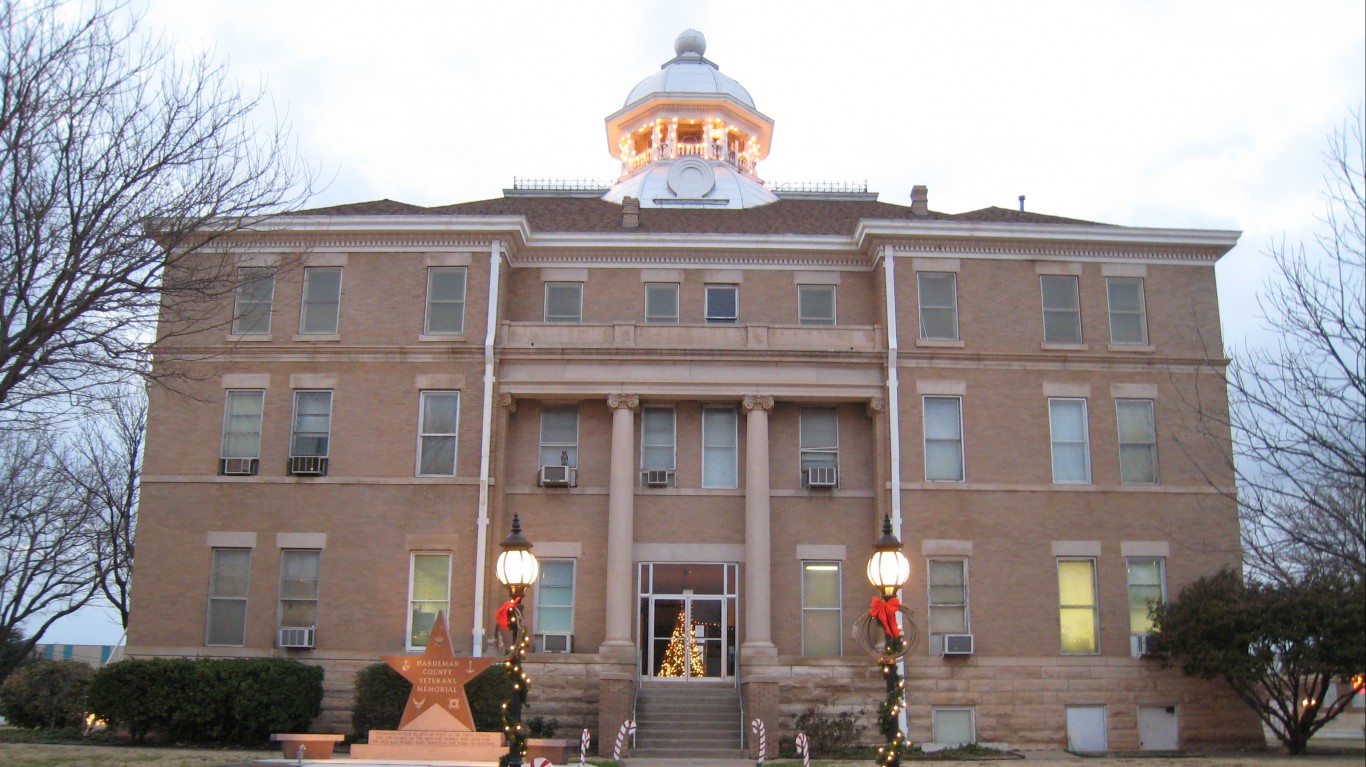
(487,693)
(47,694)
(221,700)
(381,694)
(541,727)
(829,734)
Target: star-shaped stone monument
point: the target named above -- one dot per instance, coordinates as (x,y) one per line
(438,699)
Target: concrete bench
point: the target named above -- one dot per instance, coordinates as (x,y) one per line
(307,745)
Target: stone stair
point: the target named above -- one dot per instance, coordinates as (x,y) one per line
(688,721)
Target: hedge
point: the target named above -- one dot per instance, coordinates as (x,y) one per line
(46,693)
(218,700)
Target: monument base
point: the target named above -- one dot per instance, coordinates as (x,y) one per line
(431,744)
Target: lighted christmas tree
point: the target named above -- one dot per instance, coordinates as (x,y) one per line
(673,656)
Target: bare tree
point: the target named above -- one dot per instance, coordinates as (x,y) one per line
(105,139)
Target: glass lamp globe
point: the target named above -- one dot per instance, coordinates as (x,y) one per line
(517,567)
(888,568)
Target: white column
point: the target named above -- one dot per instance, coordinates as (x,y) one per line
(757,597)
(621,607)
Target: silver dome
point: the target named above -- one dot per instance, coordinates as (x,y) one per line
(689,74)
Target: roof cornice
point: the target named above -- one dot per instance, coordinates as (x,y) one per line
(1077,239)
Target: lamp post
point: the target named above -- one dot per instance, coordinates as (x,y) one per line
(517,569)
(888,570)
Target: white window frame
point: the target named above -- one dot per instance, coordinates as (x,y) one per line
(935,644)
(934,723)
(1074,310)
(951,308)
(433,301)
(1135,602)
(715,317)
(423,434)
(672,443)
(537,625)
(309,304)
(654,317)
(229,396)
(1142,313)
(1094,607)
(804,317)
(943,441)
(569,448)
(1149,444)
(731,449)
(445,606)
(283,597)
(217,600)
(246,303)
(1054,442)
(294,432)
(808,455)
(837,609)
(570,287)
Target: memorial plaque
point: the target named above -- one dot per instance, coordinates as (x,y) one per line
(438,702)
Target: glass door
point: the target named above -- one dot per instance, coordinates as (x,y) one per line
(686,635)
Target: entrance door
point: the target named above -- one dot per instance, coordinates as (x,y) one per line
(687,633)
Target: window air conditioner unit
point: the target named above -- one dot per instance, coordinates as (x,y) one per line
(238,467)
(821,476)
(297,638)
(554,643)
(308,465)
(958,644)
(657,477)
(557,476)
(1141,645)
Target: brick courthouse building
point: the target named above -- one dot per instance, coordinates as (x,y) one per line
(702,395)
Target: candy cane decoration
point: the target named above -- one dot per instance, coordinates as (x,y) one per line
(758,727)
(804,748)
(583,747)
(628,727)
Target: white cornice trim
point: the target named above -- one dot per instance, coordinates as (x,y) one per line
(917,237)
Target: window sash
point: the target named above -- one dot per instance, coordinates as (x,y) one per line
(229,574)
(661,302)
(657,438)
(438,427)
(719,443)
(947,582)
(1077,606)
(429,593)
(560,435)
(723,304)
(819,437)
(445,300)
(1061,309)
(1147,585)
(1070,439)
(1137,441)
(1128,315)
(943,422)
(555,597)
(299,570)
(938,294)
(822,600)
(564,302)
(242,423)
(816,304)
(322,300)
(255,295)
(954,726)
(312,424)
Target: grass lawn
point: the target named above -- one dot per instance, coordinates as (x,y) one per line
(64,755)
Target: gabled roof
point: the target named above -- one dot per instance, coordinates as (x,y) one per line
(1008,216)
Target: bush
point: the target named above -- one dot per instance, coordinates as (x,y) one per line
(237,701)
(829,735)
(47,694)
(382,693)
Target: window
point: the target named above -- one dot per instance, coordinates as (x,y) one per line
(228,597)
(299,588)
(820,440)
(555,597)
(1147,587)
(938,305)
(661,302)
(1077,606)
(719,438)
(242,424)
(723,304)
(1071,449)
(943,439)
(822,621)
(322,300)
(312,423)
(1128,318)
(255,291)
(564,302)
(445,300)
(816,304)
(429,593)
(560,436)
(437,429)
(954,726)
(1061,309)
(948,584)
(657,438)
(1137,441)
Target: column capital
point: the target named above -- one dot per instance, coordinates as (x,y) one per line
(876,406)
(507,402)
(618,401)
(757,402)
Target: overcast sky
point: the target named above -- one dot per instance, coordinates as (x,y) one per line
(1164,114)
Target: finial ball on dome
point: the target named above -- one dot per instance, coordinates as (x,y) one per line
(690,41)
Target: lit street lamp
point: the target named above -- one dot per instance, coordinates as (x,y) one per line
(517,569)
(885,638)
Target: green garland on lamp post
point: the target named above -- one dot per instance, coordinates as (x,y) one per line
(517,569)
(888,640)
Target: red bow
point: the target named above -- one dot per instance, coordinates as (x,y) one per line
(885,611)
(505,610)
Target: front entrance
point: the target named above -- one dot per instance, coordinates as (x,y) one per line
(687,621)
